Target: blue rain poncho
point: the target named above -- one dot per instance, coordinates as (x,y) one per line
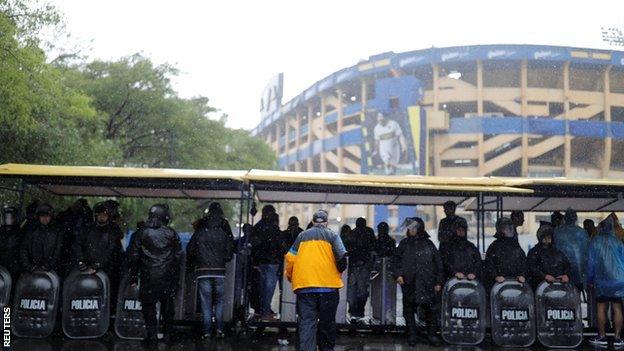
(605,269)
(573,241)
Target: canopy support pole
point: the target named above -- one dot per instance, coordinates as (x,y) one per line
(22,192)
(481,219)
(499,206)
(246,254)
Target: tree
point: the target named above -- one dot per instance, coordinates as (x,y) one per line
(120,113)
(42,119)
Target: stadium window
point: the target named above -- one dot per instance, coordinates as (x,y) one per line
(617,113)
(501,74)
(351,121)
(616,81)
(586,78)
(459,163)
(461,109)
(555,109)
(545,75)
(370,91)
(586,152)
(464,145)
(617,155)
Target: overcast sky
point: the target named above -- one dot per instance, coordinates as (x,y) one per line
(228,50)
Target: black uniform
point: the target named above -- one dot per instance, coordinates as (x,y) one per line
(504,258)
(446,229)
(289,236)
(385,245)
(11,240)
(41,248)
(419,263)
(99,247)
(360,245)
(73,221)
(460,256)
(543,260)
(156,255)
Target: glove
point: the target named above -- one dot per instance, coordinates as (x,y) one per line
(82,267)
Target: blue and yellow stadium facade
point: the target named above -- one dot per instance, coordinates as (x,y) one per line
(500,110)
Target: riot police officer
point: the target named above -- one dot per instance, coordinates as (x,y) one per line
(98,247)
(460,257)
(504,258)
(41,247)
(11,239)
(156,256)
(545,261)
(418,268)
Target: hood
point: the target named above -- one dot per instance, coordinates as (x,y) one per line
(570,216)
(607,226)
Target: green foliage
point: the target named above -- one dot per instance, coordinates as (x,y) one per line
(119,113)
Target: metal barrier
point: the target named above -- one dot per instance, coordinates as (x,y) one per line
(383,295)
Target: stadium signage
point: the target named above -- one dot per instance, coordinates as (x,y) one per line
(453,55)
(499,53)
(544,54)
(410,60)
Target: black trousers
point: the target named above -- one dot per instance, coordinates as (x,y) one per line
(166,311)
(410,307)
(317,320)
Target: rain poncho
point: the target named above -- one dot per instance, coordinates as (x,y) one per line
(573,241)
(605,269)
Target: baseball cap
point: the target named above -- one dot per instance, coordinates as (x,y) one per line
(319,216)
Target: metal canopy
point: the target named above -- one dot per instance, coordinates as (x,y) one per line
(273,186)
(129,182)
(526,194)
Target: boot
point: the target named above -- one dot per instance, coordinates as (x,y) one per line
(152,337)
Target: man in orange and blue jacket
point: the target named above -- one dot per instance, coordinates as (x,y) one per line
(314,265)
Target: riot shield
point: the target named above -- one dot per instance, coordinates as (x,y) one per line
(513,314)
(86,310)
(5,287)
(463,312)
(129,322)
(384,293)
(35,304)
(559,323)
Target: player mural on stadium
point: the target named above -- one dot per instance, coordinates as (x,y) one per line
(390,143)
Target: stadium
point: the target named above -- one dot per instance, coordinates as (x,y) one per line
(485,110)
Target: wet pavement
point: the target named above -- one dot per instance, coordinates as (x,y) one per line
(267,341)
